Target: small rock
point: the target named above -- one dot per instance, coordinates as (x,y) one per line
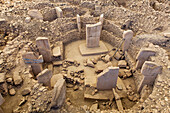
(75,88)
(122,64)
(28,19)
(107,58)
(26,91)
(90,63)
(17,78)
(23,101)
(12,92)
(94,107)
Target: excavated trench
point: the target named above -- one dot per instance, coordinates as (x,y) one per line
(81,92)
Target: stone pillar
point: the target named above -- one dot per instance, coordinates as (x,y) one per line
(43,45)
(78,23)
(93,32)
(34,61)
(127,36)
(143,55)
(108,78)
(59,12)
(59,94)
(101,18)
(45,77)
(150,70)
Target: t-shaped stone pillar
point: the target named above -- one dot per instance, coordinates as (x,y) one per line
(150,70)
(43,45)
(93,32)
(34,60)
(108,78)
(143,55)
(127,36)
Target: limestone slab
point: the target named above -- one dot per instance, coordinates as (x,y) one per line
(108,78)
(56,52)
(59,94)
(43,45)
(44,77)
(55,78)
(59,12)
(84,50)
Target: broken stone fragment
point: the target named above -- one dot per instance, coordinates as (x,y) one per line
(17,78)
(2,77)
(26,91)
(12,92)
(122,64)
(118,100)
(57,63)
(23,101)
(94,107)
(107,58)
(34,13)
(55,78)
(44,77)
(90,63)
(59,94)
(2,100)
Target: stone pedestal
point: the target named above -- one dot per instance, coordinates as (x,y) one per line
(43,45)
(108,78)
(34,60)
(143,55)
(150,70)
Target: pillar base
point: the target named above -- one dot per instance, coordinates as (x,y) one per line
(84,50)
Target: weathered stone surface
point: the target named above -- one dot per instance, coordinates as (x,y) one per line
(100,68)
(28,19)
(150,70)
(26,91)
(90,63)
(44,77)
(101,18)
(93,32)
(34,13)
(78,23)
(57,63)
(34,60)
(122,64)
(94,107)
(59,94)
(59,12)
(102,49)
(49,14)
(143,55)
(127,36)
(108,78)
(118,100)
(145,92)
(2,77)
(12,92)
(55,78)
(17,78)
(57,52)
(2,100)
(43,45)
